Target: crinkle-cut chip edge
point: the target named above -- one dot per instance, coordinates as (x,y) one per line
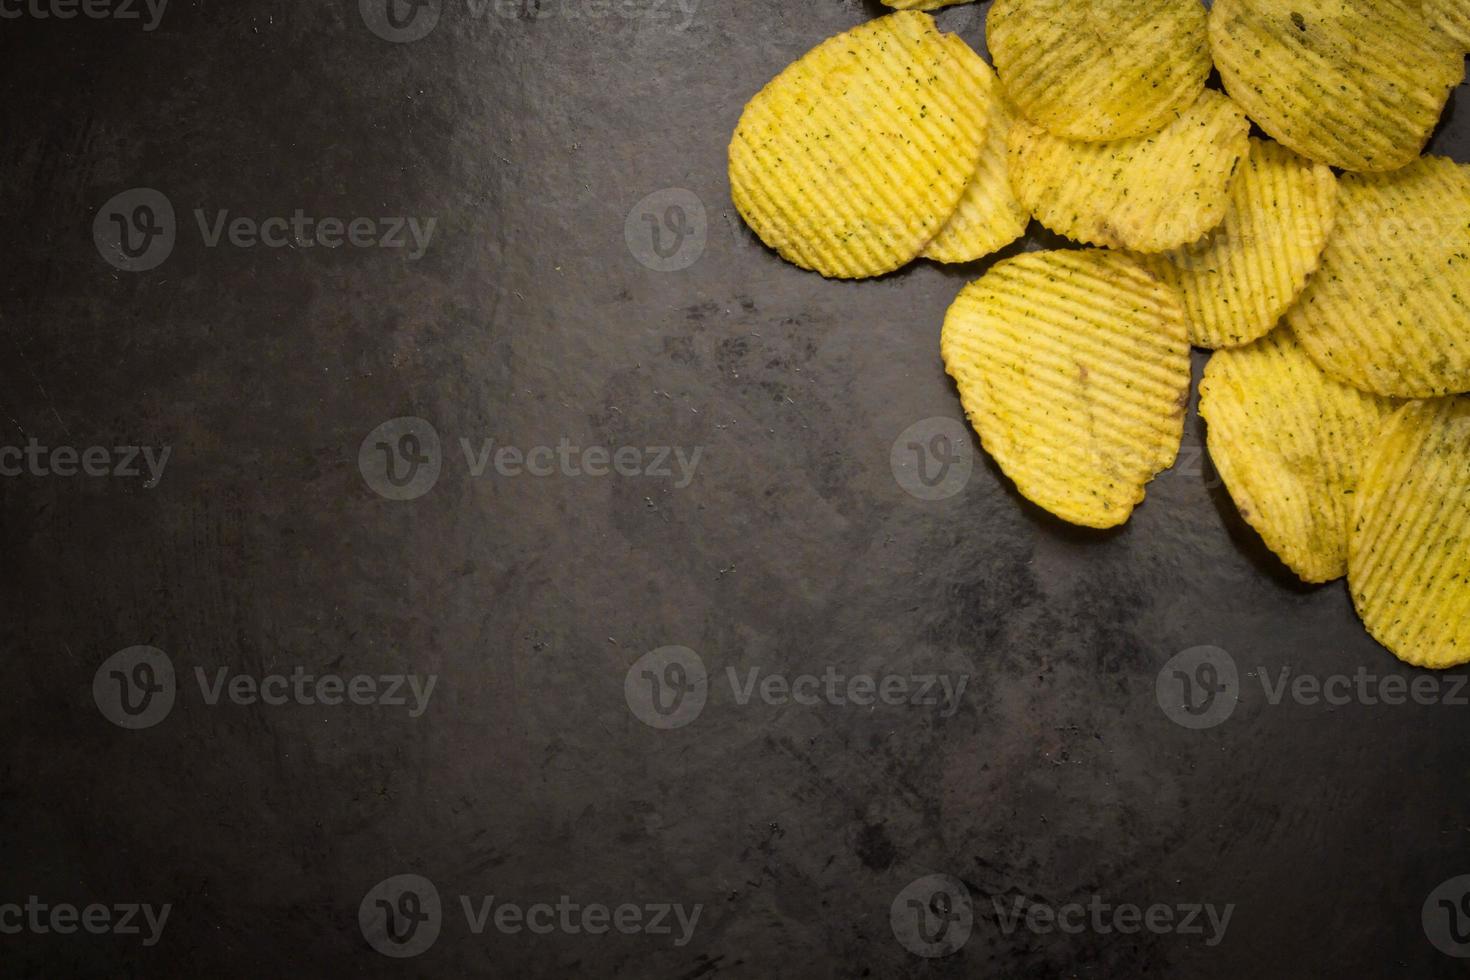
(1264,95)
(1224,312)
(1159,436)
(797,222)
(1403,540)
(1232,401)
(988,216)
(1032,79)
(1406,358)
(1071,187)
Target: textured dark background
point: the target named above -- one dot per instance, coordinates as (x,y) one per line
(531,139)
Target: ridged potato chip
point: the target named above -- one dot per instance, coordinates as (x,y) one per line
(988,217)
(1452,17)
(921,4)
(1409,555)
(1289,441)
(1389,308)
(1073,367)
(1100,69)
(1357,84)
(853,158)
(1148,194)
(1238,280)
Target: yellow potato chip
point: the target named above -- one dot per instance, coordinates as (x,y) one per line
(1100,69)
(1288,441)
(989,217)
(1239,279)
(1452,17)
(1358,84)
(921,4)
(1073,367)
(853,158)
(1389,308)
(1149,193)
(1409,554)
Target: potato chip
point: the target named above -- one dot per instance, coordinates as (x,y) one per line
(1073,367)
(1239,279)
(1288,440)
(921,4)
(1389,308)
(854,157)
(1358,84)
(989,217)
(1149,194)
(1452,17)
(1409,554)
(1100,69)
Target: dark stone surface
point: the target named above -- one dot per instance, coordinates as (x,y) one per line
(528,320)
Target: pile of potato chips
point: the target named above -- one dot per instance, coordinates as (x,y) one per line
(1337,301)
